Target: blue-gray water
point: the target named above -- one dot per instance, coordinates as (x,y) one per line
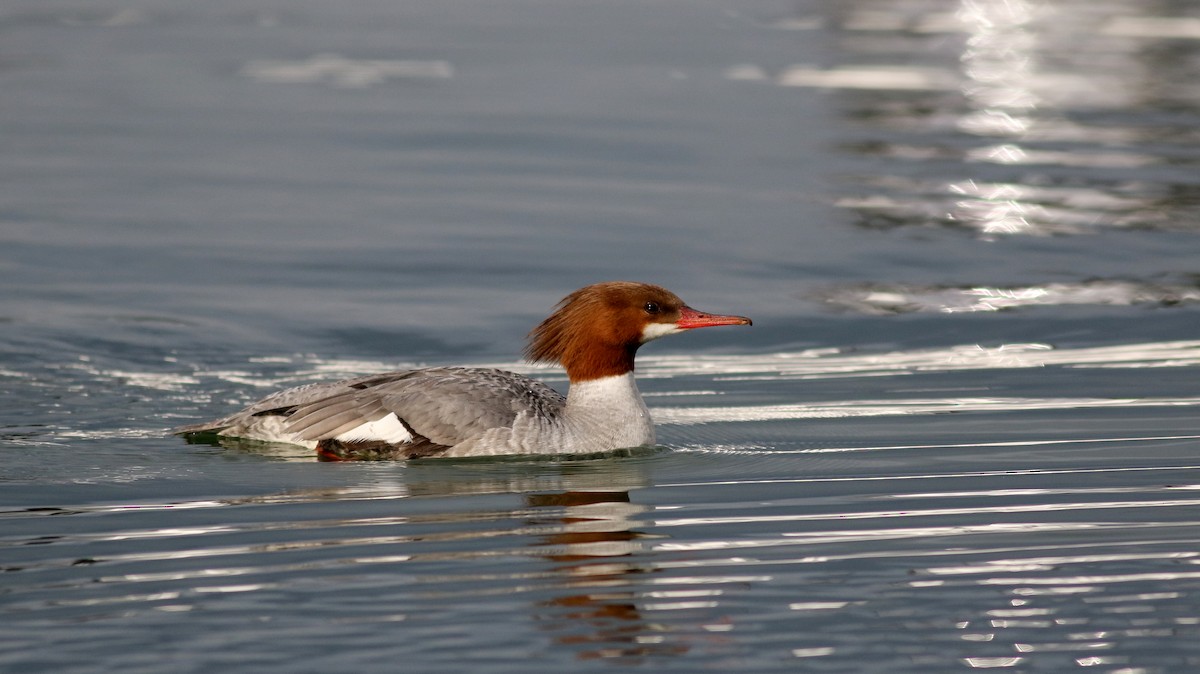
(964,432)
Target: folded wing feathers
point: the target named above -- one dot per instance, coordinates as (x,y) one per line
(451,405)
(446,406)
(329,419)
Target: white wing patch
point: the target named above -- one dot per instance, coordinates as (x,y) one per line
(388,429)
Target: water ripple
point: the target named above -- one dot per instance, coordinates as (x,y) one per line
(902,299)
(869,408)
(826,363)
(1035,567)
(340,71)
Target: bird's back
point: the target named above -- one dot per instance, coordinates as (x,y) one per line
(407,413)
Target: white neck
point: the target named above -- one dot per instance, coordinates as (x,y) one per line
(601,415)
(610,411)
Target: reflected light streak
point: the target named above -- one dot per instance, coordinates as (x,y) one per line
(709,580)
(903,299)
(343,72)
(877,78)
(952,552)
(231,589)
(1023,67)
(817,652)
(374,492)
(679,605)
(1106,579)
(676,594)
(682,416)
(826,363)
(1057,562)
(1060,209)
(1013,443)
(993,663)
(937,476)
(998,64)
(1143,596)
(1012,154)
(931,531)
(818,605)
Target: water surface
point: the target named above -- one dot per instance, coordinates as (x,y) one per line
(961,435)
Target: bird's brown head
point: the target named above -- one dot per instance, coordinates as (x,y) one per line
(595,331)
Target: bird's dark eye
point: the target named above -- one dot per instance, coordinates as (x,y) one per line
(652,307)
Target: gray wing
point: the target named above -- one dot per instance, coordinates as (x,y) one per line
(444,405)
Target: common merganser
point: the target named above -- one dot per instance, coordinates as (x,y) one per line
(467,411)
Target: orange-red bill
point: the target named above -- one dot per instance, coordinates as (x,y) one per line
(689,318)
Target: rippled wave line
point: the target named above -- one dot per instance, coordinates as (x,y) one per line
(1024,563)
(1009,493)
(823,363)
(305,569)
(417,539)
(884,299)
(362,493)
(930,512)
(915,533)
(934,476)
(596,524)
(1095,579)
(807,364)
(685,416)
(988,552)
(1007,443)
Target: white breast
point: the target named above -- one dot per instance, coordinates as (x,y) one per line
(601,415)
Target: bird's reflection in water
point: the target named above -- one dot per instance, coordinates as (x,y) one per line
(593,547)
(576,522)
